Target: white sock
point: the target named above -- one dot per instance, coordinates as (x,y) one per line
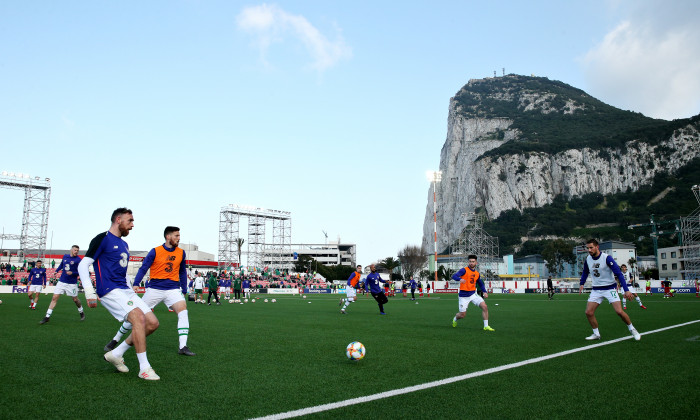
(639,301)
(624,301)
(183,327)
(347,303)
(49,312)
(454,319)
(486,323)
(630,327)
(143,361)
(125,328)
(80,310)
(121,349)
(596,332)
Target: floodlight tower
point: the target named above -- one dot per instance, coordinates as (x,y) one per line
(690,231)
(35,216)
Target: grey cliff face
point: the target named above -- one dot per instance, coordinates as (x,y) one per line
(520,181)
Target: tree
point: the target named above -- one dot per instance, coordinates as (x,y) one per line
(239,244)
(390,264)
(301,265)
(412,259)
(556,253)
(444,273)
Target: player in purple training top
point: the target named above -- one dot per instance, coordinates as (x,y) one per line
(36,282)
(67,284)
(109,255)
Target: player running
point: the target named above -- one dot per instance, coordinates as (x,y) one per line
(350,292)
(36,282)
(167,284)
(109,254)
(468,278)
(601,267)
(372,285)
(67,284)
(630,285)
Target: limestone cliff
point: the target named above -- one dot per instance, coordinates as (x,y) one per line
(578,145)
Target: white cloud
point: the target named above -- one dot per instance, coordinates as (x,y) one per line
(650,62)
(270,24)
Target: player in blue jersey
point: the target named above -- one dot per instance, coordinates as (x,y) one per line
(108,253)
(414,285)
(372,285)
(603,269)
(36,282)
(67,284)
(167,284)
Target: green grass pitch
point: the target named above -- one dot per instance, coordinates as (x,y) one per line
(260,359)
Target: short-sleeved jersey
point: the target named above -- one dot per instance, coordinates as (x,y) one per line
(37,276)
(354,279)
(111,256)
(69,263)
(471,278)
(167,269)
(603,270)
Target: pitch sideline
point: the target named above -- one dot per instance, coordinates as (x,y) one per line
(428,385)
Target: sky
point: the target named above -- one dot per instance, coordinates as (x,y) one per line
(330,110)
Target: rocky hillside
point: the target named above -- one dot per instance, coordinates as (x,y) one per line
(518,142)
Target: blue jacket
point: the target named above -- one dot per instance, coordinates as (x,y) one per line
(372,283)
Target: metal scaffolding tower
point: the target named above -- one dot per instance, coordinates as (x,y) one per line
(475,240)
(35,216)
(690,249)
(280,247)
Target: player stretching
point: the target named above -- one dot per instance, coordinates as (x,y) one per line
(168,284)
(468,278)
(372,284)
(601,267)
(110,255)
(36,282)
(350,293)
(630,285)
(67,284)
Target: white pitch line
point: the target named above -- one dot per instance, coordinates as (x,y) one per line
(428,385)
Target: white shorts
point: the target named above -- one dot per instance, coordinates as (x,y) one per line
(36,289)
(226,290)
(246,290)
(66,289)
(350,292)
(153,297)
(119,302)
(464,301)
(597,296)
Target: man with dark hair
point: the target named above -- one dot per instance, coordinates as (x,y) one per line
(350,293)
(167,284)
(630,285)
(603,269)
(213,287)
(110,253)
(67,284)
(468,279)
(372,285)
(36,281)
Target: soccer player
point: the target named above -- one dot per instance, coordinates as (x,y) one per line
(372,285)
(213,286)
(110,255)
(67,284)
(350,293)
(630,285)
(601,267)
(198,288)
(697,287)
(35,282)
(167,284)
(237,288)
(648,288)
(246,288)
(468,278)
(413,285)
(550,288)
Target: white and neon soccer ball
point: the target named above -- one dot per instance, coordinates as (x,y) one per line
(355,351)
(265,300)
(245,300)
(273,301)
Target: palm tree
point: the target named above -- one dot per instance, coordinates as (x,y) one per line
(390,264)
(239,243)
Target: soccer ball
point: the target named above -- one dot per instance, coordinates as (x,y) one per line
(304,296)
(245,300)
(265,300)
(273,301)
(355,351)
(231,301)
(252,300)
(0,302)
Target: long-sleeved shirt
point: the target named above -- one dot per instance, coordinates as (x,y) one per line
(372,283)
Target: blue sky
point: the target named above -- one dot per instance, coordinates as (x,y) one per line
(330,110)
